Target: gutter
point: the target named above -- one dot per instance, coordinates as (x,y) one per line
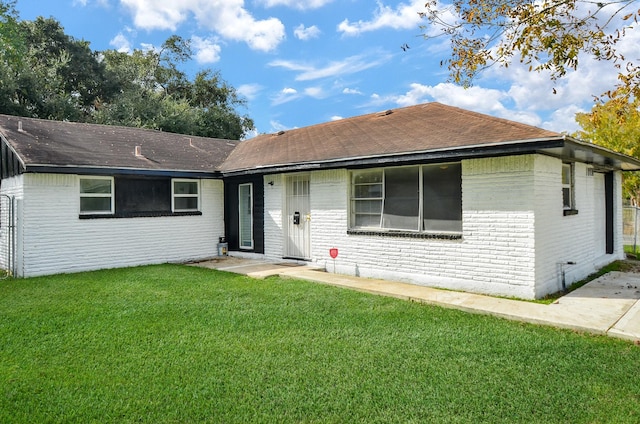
(519,147)
(103,170)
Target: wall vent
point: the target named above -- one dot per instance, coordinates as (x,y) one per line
(589,172)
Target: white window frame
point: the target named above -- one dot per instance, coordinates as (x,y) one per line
(570,185)
(110,195)
(382,199)
(355,199)
(240,227)
(175,195)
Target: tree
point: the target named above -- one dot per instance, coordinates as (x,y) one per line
(550,35)
(48,74)
(156,94)
(12,50)
(45,73)
(546,35)
(616,125)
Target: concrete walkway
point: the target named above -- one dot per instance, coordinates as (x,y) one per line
(608,305)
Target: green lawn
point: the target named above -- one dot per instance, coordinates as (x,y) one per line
(179,344)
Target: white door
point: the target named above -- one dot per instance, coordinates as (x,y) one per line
(297,224)
(599,215)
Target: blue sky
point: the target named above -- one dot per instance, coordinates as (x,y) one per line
(302,62)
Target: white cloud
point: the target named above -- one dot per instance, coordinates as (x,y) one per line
(404,16)
(206,50)
(563,119)
(296,4)
(289,90)
(249,91)
(351,91)
(350,65)
(305,34)
(228,18)
(121,43)
(278,126)
(315,92)
(483,100)
(83,3)
(336,118)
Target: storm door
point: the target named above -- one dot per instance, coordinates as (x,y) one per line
(297,225)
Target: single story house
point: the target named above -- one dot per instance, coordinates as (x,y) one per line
(94,196)
(429,194)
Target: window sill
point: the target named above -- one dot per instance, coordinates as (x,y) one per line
(568,212)
(406,234)
(139,215)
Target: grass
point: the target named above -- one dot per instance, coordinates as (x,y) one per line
(178,344)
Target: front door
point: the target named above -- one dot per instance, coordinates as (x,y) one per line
(297,226)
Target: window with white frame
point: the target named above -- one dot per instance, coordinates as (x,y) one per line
(568,184)
(245,218)
(96,195)
(185,195)
(415,198)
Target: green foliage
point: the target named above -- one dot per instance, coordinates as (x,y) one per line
(174,343)
(45,73)
(615,124)
(547,35)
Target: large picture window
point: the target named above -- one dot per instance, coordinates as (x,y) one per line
(96,195)
(415,198)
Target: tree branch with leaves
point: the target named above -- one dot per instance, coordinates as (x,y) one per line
(548,36)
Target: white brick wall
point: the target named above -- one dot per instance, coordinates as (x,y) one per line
(514,231)
(55,239)
(561,239)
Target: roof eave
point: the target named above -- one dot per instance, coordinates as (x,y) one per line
(103,170)
(518,147)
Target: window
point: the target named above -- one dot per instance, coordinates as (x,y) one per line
(416,198)
(138,196)
(367,198)
(442,197)
(568,195)
(96,195)
(186,195)
(245,211)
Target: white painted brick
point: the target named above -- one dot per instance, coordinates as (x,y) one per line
(514,231)
(55,239)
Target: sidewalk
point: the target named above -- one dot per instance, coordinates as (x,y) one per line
(608,305)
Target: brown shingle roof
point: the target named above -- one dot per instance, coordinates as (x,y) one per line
(69,144)
(421,128)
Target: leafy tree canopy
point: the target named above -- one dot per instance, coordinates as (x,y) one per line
(550,35)
(616,124)
(546,35)
(48,74)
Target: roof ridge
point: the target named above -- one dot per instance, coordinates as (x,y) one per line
(494,118)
